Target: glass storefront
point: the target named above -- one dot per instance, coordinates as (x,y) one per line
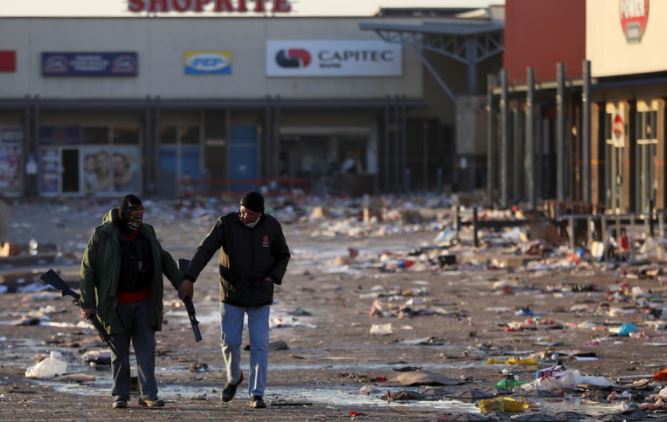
(98,160)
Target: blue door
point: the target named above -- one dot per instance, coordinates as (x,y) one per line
(243,158)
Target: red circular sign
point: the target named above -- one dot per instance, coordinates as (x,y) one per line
(618,127)
(634,16)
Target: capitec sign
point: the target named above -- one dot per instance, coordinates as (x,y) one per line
(208,62)
(333,58)
(90,64)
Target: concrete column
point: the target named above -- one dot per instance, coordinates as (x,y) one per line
(490,141)
(530,139)
(661,197)
(597,158)
(560,132)
(586,131)
(504,141)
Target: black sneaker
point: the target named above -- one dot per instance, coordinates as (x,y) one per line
(119,404)
(257,402)
(151,403)
(230,389)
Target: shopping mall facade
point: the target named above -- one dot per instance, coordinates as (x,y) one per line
(167,105)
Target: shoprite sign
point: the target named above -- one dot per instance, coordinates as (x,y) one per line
(215,6)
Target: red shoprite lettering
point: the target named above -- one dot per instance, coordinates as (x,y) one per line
(199,6)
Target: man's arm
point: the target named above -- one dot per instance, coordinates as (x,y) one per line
(211,243)
(282,256)
(170,269)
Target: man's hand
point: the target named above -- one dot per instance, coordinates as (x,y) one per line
(87,313)
(186,289)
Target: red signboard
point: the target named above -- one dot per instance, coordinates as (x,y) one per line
(7,61)
(634,16)
(216,6)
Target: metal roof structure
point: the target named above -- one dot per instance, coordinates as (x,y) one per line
(467,41)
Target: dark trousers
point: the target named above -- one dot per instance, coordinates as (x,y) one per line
(137,329)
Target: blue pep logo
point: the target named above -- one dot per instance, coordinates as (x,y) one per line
(208,63)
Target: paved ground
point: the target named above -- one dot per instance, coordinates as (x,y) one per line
(331,354)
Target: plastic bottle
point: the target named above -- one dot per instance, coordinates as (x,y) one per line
(504,404)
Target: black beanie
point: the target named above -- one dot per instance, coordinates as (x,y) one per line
(254,201)
(127,204)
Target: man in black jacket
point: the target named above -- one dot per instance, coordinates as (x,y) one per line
(253,258)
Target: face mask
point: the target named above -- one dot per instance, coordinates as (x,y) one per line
(251,225)
(135,219)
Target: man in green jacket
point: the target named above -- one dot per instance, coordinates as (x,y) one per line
(121,286)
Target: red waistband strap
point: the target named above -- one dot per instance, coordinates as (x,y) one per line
(132,297)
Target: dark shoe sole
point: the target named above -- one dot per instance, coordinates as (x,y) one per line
(229,397)
(119,404)
(257,403)
(151,404)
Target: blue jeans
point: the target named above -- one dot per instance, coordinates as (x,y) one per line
(231,339)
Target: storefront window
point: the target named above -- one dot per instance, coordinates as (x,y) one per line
(645,156)
(96,135)
(646,123)
(190,135)
(125,135)
(168,134)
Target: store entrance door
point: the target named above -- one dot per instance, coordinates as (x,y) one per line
(69,160)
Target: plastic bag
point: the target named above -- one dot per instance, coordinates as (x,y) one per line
(503,404)
(48,368)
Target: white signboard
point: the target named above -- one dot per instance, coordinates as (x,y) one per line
(333,58)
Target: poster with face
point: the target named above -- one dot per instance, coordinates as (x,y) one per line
(97,174)
(126,169)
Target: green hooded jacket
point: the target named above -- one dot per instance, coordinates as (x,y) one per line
(100,268)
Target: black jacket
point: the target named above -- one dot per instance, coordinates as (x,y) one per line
(247,258)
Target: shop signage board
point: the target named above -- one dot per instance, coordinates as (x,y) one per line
(8,61)
(333,58)
(90,64)
(207,62)
(633,17)
(213,6)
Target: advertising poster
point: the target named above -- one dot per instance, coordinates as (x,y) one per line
(126,167)
(97,174)
(10,161)
(111,169)
(50,171)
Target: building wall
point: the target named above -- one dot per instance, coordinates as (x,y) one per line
(541,33)
(161,43)
(610,51)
